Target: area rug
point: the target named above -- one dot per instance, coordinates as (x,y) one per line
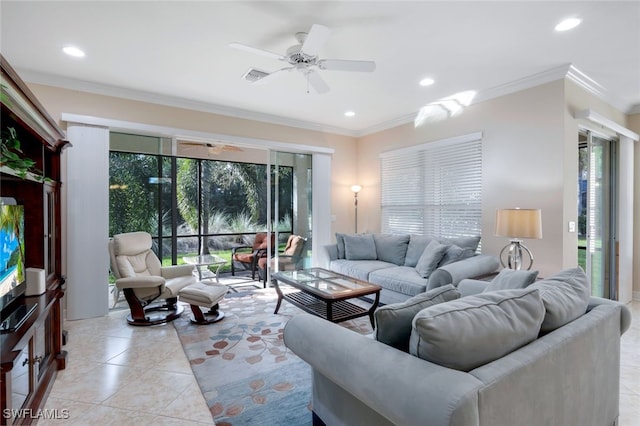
(246,373)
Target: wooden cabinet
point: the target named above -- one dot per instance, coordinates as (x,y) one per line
(33,353)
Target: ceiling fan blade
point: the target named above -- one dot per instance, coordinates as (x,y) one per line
(345,65)
(316,82)
(255,50)
(317,37)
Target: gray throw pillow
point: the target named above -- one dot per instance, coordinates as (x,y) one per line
(565,296)
(455,254)
(393,321)
(391,248)
(469,332)
(509,279)
(464,242)
(359,247)
(417,244)
(430,258)
(340,244)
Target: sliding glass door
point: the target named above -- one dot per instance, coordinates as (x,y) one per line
(596,212)
(289,208)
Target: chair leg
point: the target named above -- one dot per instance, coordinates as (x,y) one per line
(199,316)
(152,314)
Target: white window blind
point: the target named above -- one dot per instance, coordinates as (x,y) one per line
(433,189)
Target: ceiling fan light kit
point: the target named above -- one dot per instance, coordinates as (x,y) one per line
(303,57)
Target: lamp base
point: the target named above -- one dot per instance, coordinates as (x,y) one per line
(515,251)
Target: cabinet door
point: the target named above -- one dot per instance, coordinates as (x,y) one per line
(22,378)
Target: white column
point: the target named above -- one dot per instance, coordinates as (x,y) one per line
(321,207)
(87,221)
(625,219)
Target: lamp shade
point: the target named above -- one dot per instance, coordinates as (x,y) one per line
(519,223)
(356,188)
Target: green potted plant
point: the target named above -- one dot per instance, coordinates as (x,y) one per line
(11,156)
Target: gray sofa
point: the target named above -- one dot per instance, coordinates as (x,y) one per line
(400,265)
(566,375)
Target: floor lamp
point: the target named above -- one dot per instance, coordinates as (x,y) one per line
(355,189)
(516,224)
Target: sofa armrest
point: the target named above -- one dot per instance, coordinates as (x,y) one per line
(453,273)
(625,314)
(331,250)
(400,387)
(469,287)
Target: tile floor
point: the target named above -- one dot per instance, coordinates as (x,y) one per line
(122,375)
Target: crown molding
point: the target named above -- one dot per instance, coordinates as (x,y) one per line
(172,101)
(563,71)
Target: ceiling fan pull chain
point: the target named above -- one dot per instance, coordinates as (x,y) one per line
(307,73)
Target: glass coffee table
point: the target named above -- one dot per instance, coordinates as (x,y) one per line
(324,293)
(202,264)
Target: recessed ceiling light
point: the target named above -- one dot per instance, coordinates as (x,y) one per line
(567,24)
(349,114)
(73,51)
(427,81)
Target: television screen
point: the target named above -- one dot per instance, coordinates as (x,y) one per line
(12,272)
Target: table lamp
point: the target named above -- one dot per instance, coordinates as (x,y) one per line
(516,224)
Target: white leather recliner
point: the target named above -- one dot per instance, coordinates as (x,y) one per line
(145,282)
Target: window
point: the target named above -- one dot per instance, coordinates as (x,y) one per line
(434,188)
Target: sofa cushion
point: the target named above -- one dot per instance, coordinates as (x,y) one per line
(391,248)
(393,321)
(417,244)
(401,279)
(359,247)
(360,269)
(565,296)
(430,258)
(456,253)
(471,331)
(509,279)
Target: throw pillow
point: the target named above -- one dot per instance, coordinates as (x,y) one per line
(393,321)
(417,244)
(509,279)
(359,247)
(469,332)
(391,248)
(340,244)
(455,253)
(565,296)
(464,242)
(430,258)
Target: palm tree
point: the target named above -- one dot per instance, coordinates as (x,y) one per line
(12,221)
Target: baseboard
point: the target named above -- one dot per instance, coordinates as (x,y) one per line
(636,296)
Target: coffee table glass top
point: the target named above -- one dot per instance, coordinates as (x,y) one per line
(325,282)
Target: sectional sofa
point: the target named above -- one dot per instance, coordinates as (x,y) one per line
(408,264)
(545,354)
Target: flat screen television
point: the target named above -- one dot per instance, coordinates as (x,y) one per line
(12,264)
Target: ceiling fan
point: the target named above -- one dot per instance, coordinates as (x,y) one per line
(303,57)
(212,149)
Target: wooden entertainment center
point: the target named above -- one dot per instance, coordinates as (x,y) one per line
(32,353)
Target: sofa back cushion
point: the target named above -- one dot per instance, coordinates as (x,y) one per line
(340,245)
(464,242)
(391,248)
(393,321)
(455,253)
(359,247)
(510,279)
(565,296)
(474,330)
(417,244)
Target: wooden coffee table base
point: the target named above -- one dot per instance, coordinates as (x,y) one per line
(331,310)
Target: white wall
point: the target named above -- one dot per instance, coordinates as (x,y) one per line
(87,222)
(523,160)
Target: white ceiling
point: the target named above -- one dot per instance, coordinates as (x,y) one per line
(177,52)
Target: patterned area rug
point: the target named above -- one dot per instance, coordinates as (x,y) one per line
(246,373)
